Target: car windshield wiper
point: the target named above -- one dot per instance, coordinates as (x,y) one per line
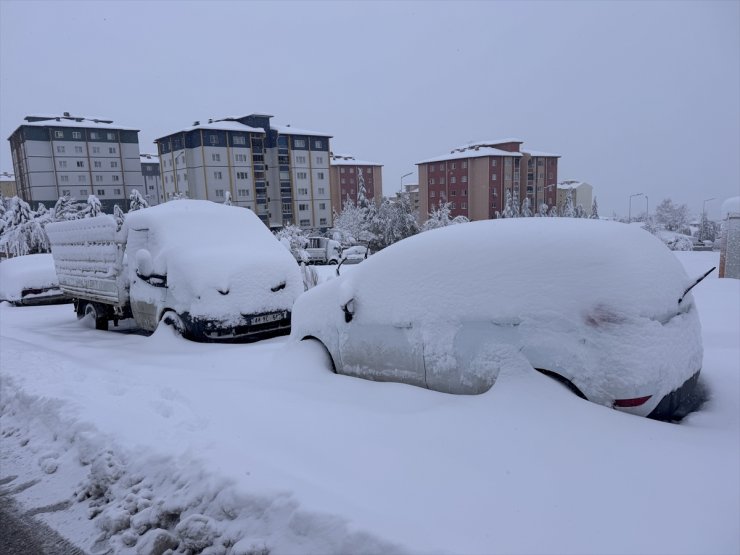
(697,282)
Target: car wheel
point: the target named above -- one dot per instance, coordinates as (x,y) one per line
(172,318)
(328,361)
(332,262)
(97,314)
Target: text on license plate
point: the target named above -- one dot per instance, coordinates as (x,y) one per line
(267,318)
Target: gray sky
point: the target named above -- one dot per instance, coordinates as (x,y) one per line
(635,96)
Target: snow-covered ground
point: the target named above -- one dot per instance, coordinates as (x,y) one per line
(127,441)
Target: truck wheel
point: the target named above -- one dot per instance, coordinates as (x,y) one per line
(99,314)
(172,318)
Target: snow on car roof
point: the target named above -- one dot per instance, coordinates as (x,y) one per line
(30,271)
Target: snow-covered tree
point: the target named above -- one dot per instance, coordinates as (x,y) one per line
(526,211)
(672,217)
(579,212)
(391,222)
(362,200)
(93,207)
(515,203)
(294,238)
(119,216)
(227,198)
(595,209)
(707,229)
(66,208)
(569,210)
(22,231)
(440,217)
(352,225)
(543,210)
(508,209)
(136,201)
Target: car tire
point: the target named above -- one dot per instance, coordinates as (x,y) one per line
(329,361)
(97,313)
(172,318)
(332,262)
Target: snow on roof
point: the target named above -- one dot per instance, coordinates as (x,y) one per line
(61,121)
(472,153)
(540,153)
(492,142)
(349,160)
(571,184)
(219,126)
(730,206)
(149,158)
(289,130)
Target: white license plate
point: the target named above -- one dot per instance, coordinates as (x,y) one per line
(267,318)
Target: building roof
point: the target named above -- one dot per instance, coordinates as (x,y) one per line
(349,160)
(216,126)
(571,184)
(149,158)
(540,153)
(471,153)
(290,130)
(68,121)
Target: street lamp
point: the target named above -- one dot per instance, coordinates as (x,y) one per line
(701,221)
(405,175)
(647,209)
(629,219)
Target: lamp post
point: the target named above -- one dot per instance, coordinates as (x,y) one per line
(647,210)
(629,218)
(701,221)
(405,175)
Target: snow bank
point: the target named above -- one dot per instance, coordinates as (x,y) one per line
(33,271)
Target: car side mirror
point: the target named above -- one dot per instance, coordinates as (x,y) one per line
(349,310)
(144,265)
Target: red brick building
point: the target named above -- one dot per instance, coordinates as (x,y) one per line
(344,178)
(474,178)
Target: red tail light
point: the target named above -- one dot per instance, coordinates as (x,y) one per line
(636,402)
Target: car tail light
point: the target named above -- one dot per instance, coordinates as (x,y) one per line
(636,402)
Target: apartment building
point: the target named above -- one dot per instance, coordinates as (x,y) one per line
(582,194)
(77,157)
(474,178)
(345,174)
(7,184)
(153,191)
(279,172)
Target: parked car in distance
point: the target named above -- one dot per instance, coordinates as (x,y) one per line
(355,254)
(30,280)
(600,306)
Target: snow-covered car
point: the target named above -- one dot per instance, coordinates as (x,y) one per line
(598,305)
(30,280)
(355,254)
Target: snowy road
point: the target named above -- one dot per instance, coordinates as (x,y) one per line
(252,446)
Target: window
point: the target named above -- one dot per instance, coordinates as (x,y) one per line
(465,192)
(111,150)
(305,223)
(219,192)
(302,191)
(114,164)
(242,175)
(322,221)
(242,192)
(217,175)
(464,179)
(465,164)
(322,191)
(240,140)
(96,150)
(341,170)
(101,192)
(82,178)
(452,205)
(118,191)
(60,149)
(111,136)
(116,178)
(493,163)
(240,157)
(318,144)
(302,207)
(344,180)
(320,175)
(453,193)
(64,178)
(351,170)
(301,175)
(299,143)
(493,177)
(94,135)
(98,178)
(368,171)
(431,181)
(453,165)
(97,163)
(80,164)
(78,149)
(322,206)
(65,192)
(216,157)
(464,205)
(83,192)
(319,159)
(62,163)
(441,167)
(302,160)
(58,134)
(213,139)
(77,135)
(431,194)
(287,208)
(441,180)
(453,179)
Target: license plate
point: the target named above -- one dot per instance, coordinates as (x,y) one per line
(267,318)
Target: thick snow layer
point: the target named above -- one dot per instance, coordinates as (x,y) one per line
(139,441)
(34,271)
(730,206)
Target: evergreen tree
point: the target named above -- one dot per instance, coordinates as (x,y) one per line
(526,211)
(672,217)
(137,202)
(508,210)
(22,232)
(93,208)
(119,217)
(440,217)
(66,208)
(227,198)
(515,203)
(392,221)
(543,210)
(595,209)
(568,209)
(707,230)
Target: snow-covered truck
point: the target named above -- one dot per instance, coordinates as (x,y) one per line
(213,272)
(321,250)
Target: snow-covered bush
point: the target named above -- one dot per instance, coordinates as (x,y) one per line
(295,240)
(136,201)
(680,243)
(440,217)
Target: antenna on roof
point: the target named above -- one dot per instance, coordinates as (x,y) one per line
(196,123)
(210,120)
(66,114)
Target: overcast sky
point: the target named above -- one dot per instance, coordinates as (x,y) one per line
(637,97)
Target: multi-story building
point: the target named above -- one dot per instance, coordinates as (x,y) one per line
(582,194)
(7,184)
(153,191)
(474,178)
(279,172)
(345,175)
(77,157)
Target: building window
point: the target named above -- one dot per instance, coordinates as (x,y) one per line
(118,191)
(96,150)
(302,191)
(452,205)
(64,178)
(322,191)
(213,139)
(239,140)
(320,175)
(82,178)
(351,170)
(465,164)
(431,181)
(344,180)
(493,163)
(116,178)
(98,178)
(322,221)
(302,207)
(111,136)
(240,157)
(65,192)
(318,144)
(453,193)
(217,175)
(219,192)
(58,134)
(300,143)
(341,170)
(77,135)
(242,192)
(319,159)
(62,163)
(431,194)
(114,164)
(454,166)
(302,160)
(97,163)
(464,205)
(111,150)
(301,175)
(60,149)
(493,177)
(287,208)
(305,223)
(216,157)
(465,192)
(83,192)
(94,135)
(101,192)
(80,164)
(322,206)
(241,175)
(453,180)
(464,179)
(441,180)
(441,167)
(78,149)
